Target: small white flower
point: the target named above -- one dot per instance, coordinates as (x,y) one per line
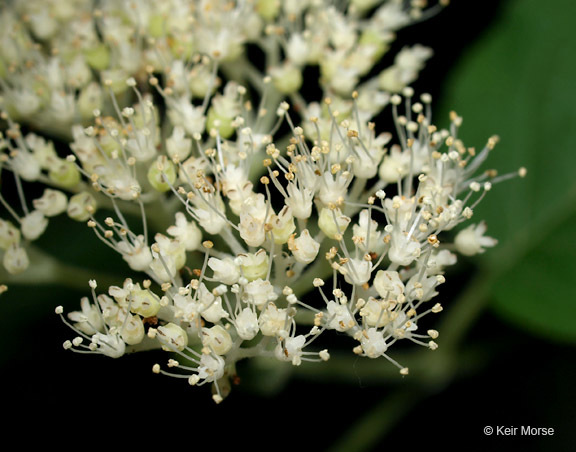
(183,114)
(52,202)
(396,164)
(246,323)
(187,233)
(272,320)
(403,250)
(89,319)
(304,248)
(332,222)
(26,166)
(81,206)
(217,339)
(210,213)
(367,231)
(375,313)
(290,349)
(143,302)
(132,331)
(254,265)
(283,225)
(333,189)
(33,225)
(339,317)
(15,259)
(421,288)
(299,200)
(401,327)
(177,145)
(471,241)
(137,255)
(211,368)
(298,49)
(356,271)
(210,305)
(259,292)
(172,337)
(225,270)
(110,345)
(388,284)
(373,343)
(9,234)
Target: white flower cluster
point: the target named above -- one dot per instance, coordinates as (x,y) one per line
(289,217)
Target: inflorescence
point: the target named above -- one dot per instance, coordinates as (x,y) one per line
(287,216)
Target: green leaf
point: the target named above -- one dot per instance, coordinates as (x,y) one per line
(518,82)
(539,292)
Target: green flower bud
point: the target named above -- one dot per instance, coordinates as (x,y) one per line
(144,303)
(90,99)
(81,206)
(65,174)
(255,266)
(133,330)
(162,174)
(173,336)
(287,79)
(116,80)
(221,123)
(268,9)
(332,223)
(98,57)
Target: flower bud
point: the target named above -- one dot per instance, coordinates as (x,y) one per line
(177,145)
(304,248)
(217,339)
(287,78)
(64,174)
(132,330)
(225,270)
(388,284)
(143,302)
(89,100)
(15,259)
(172,337)
(223,124)
(9,234)
(283,226)
(268,9)
(52,202)
(332,223)
(81,206)
(247,324)
(162,174)
(98,57)
(33,225)
(255,266)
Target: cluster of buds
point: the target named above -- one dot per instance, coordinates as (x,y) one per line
(288,217)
